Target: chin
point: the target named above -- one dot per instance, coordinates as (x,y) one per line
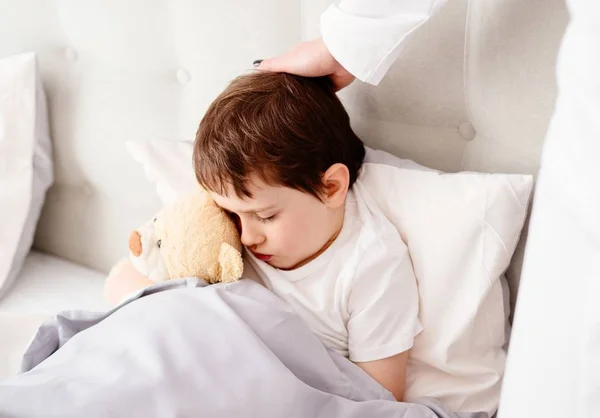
(282,265)
(287,265)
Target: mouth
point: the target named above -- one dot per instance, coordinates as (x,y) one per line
(262,257)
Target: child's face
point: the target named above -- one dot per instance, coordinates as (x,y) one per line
(282,226)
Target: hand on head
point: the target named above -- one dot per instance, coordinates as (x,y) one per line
(309,59)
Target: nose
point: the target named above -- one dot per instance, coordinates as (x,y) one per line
(250,236)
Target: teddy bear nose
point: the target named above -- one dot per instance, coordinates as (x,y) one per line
(135,243)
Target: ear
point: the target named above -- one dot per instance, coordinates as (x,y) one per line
(230,261)
(336,180)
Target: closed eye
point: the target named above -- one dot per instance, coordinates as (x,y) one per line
(266,220)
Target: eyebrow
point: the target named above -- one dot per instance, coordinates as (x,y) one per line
(266,208)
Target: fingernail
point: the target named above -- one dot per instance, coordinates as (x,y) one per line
(257,63)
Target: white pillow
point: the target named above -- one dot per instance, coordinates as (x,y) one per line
(25,161)
(382,157)
(169,164)
(461,230)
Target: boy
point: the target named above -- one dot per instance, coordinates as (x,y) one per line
(277,152)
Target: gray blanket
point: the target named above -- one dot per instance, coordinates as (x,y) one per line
(184,349)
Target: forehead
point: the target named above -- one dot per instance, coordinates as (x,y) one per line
(263,196)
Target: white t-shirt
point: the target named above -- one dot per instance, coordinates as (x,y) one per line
(360,295)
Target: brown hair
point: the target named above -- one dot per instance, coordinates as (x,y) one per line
(284,128)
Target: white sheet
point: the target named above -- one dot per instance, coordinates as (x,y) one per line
(49,284)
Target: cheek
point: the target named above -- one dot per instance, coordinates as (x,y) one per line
(302,233)
(282,235)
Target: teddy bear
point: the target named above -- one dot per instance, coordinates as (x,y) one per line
(192,237)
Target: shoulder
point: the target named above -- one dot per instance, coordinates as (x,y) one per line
(378,256)
(376,237)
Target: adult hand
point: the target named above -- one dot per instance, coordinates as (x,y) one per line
(309,59)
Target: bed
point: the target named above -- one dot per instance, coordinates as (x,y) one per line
(49,284)
(474,91)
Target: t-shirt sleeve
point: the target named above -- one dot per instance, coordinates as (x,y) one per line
(383,304)
(367,36)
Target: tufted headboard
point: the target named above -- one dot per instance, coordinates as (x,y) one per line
(474,90)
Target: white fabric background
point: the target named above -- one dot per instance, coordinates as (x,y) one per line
(553,366)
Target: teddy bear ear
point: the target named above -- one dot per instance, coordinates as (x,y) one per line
(232,265)
(135,243)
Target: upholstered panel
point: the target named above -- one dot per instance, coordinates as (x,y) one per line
(474,90)
(510,88)
(417,108)
(117,70)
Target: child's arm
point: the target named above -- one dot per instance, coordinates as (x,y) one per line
(123,280)
(383,309)
(389,372)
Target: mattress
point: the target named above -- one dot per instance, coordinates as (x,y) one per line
(48,284)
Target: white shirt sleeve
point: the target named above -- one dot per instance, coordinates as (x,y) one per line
(366,36)
(383,305)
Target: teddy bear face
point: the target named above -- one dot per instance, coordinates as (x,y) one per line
(190,238)
(145,252)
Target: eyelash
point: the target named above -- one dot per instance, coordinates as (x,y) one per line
(266,220)
(262,220)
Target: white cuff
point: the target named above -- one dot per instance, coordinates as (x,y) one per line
(368,45)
